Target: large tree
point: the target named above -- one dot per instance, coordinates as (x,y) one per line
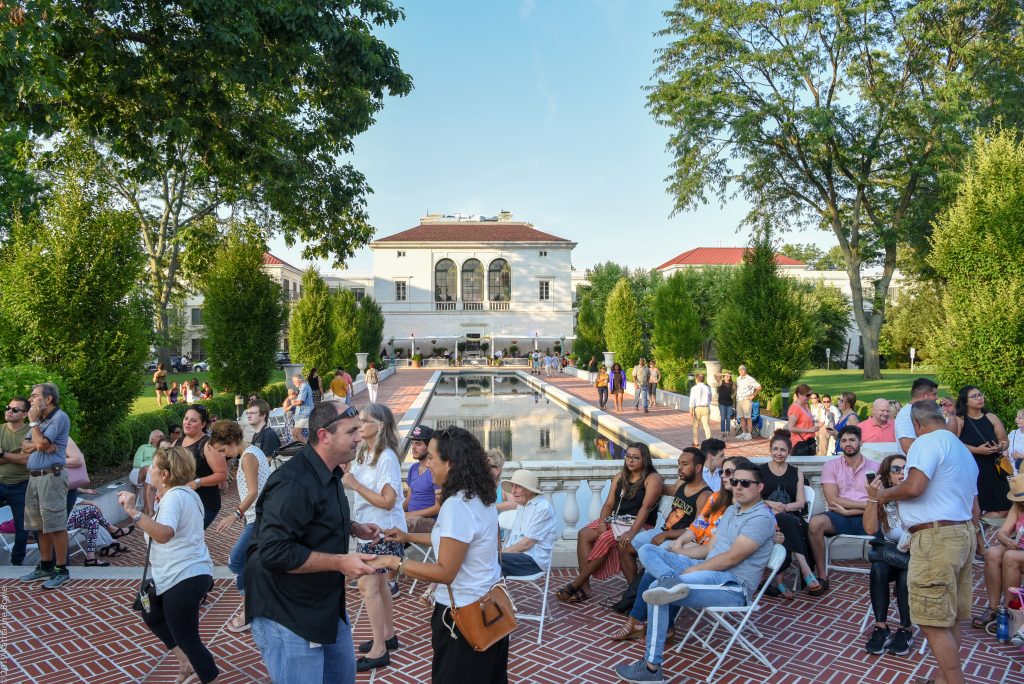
(199,105)
(345,311)
(371,327)
(708,289)
(765,323)
(677,337)
(71,300)
(835,114)
(312,329)
(622,326)
(977,248)
(242,313)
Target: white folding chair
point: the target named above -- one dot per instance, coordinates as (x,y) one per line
(427,555)
(505,521)
(717,615)
(275,419)
(989,527)
(829,541)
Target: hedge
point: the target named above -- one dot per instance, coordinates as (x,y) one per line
(126,436)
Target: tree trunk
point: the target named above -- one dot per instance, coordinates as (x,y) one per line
(869,335)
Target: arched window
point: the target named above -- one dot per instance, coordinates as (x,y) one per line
(499,281)
(472,281)
(444,281)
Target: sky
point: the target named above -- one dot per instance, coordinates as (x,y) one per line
(536,107)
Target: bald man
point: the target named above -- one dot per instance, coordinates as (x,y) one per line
(879,427)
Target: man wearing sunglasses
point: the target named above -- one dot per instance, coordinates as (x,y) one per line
(727,577)
(13,473)
(298,560)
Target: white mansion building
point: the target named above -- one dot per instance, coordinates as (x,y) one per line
(471,279)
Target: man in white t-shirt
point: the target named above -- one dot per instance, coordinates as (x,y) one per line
(936,505)
(923,389)
(747,389)
(700,408)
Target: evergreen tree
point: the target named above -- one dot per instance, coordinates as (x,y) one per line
(346,330)
(312,329)
(677,337)
(371,328)
(766,323)
(242,314)
(977,247)
(622,327)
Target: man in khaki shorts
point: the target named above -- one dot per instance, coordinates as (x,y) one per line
(46,498)
(747,389)
(936,501)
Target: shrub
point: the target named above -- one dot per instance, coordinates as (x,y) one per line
(275,394)
(623,330)
(19,380)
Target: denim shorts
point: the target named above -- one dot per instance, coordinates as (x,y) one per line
(847,524)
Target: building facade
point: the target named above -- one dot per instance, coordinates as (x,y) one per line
(487,283)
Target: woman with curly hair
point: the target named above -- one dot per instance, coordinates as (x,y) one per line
(465,541)
(375,476)
(635,491)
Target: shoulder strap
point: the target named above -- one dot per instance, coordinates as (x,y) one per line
(145,568)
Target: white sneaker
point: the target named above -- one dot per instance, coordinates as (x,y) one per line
(745,436)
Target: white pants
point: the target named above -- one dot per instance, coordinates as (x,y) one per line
(371,389)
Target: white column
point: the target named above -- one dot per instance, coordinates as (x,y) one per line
(595,498)
(571,510)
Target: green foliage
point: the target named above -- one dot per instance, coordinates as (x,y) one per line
(18,381)
(831,318)
(837,115)
(912,321)
(71,301)
(816,258)
(708,288)
(589,334)
(242,314)
(345,322)
(20,189)
(622,327)
(765,322)
(677,337)
(977,248)
(371,328)
(312,328)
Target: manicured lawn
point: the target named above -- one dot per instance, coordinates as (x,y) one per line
(895,384)
(147,400)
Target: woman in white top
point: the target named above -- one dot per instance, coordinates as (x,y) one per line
(254,469)
(465,541)
(375,477)
(179,561)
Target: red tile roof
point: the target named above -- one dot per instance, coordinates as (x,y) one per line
(484,231)
(720,256)
(271,260)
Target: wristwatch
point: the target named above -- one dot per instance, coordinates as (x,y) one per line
(33,423)
(199,482)
(136,517)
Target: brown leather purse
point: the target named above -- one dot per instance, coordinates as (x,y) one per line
(486,621)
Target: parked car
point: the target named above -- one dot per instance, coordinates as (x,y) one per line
(200,366)
(180,364)
(151,365)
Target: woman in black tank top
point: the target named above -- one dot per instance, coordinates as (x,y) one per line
(783,492)
(985,437)
(210,471)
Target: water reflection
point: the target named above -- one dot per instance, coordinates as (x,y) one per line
(506,413)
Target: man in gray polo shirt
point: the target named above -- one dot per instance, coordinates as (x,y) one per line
(727,577)
(46,497)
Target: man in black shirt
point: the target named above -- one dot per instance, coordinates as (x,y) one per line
(298,560)
(264,437)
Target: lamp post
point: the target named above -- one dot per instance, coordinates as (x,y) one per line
(239,402)
(785,401)
(913,353)
(828,359)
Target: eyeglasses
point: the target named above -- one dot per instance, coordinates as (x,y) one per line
(979,395)
(727,473)
(15,409)
(633,458)
(741,483)
(895,469)
(350,412)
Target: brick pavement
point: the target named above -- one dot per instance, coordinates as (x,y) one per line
(87,633)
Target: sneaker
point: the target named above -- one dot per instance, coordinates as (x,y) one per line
(395,591)
(58,579)
(668,589)
(37,574)
(638,672)
(901,643)
(880,638)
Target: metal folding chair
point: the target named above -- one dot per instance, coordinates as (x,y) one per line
(505,521)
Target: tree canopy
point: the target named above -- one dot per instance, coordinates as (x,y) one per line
(842,115)
(311,331)
(242,314)
(977,248)
(815,257)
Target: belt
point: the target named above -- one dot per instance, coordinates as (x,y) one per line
(56,470)
(933,525)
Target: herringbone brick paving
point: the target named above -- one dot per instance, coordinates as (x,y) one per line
(87,633)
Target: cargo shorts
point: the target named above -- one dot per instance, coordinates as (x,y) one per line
(46,502)
(745,408)
(939,576)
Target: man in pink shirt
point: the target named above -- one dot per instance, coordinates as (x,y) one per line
(844,485)
(878,428)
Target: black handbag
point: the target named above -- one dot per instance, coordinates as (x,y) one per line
(146,600)
(780,495)
(888,552)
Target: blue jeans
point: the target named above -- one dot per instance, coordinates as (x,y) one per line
(641,396)
(236,560)
(657,561)
(13,495)
(518,565)
(725,413)
(707,588)
(645,537)
(290,659)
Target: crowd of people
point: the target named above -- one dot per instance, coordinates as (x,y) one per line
(921,506)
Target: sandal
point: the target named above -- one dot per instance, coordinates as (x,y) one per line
(822,586)
(812,583)
(985,619)
(121,532)
(235,628)
(571,594)
(630,630)
(784,591)
(114,550)
(95,563)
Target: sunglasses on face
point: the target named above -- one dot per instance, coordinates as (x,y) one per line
(15,409)
(895,469)
(727,472)
(743,484)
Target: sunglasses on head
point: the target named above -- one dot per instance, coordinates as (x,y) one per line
(350,412)
(741,483)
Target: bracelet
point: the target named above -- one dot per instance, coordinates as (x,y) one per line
(872,500)
(239,514)
(401,567)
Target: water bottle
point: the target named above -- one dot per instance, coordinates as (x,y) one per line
(1003,625)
